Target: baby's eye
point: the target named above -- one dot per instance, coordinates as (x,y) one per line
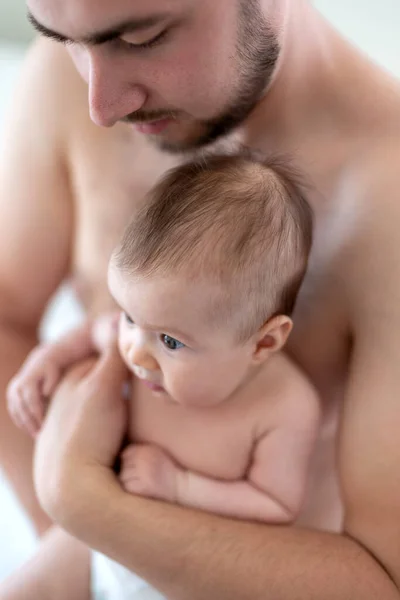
(128,319)
(170,342)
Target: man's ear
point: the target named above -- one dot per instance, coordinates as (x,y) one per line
(272,337)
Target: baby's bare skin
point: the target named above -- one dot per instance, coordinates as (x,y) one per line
(247,457)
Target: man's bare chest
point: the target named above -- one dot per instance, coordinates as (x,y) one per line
(110,177)
(320,341)
(109,184)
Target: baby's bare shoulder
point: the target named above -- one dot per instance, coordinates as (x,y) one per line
(285,393)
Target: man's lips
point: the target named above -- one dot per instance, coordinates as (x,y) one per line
(153,127)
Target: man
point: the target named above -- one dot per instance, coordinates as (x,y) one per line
(176,75)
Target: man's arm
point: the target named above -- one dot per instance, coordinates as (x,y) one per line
(184,553)
(35,221)
(370,449)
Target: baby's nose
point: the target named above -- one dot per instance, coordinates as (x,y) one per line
(142,361)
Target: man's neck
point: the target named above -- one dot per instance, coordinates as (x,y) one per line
(322,98)
(296,102)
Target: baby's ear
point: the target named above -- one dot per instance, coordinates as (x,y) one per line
(272,337)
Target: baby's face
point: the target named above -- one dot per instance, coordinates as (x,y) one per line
(167,342)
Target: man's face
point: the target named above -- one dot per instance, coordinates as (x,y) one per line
(183,71)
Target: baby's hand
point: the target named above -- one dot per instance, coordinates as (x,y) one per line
(30,388)
(147,471)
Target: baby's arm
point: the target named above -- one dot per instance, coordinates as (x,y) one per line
(274,488)
(275,485)
(42,370)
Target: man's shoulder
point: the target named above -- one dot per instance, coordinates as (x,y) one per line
(50,92)
(368,190)
(372,188)
(379,163)
(49,72)
(370,249)
(49,54)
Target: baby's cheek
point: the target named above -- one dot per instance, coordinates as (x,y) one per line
(123,348)
(180,384)
(105,331)
(201,391)
(125,358)
(216,385)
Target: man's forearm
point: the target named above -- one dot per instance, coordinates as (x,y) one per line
(187,554)
(15,446)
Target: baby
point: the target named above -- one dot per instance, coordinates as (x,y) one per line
(206,276)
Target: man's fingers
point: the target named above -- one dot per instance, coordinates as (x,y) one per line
(110,370)
(80,371)
(105,373)
(50,381)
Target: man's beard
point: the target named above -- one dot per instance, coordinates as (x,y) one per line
(257,55)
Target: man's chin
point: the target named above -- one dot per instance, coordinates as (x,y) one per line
(179,139)
(173,147)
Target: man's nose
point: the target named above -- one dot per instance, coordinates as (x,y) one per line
(111,95)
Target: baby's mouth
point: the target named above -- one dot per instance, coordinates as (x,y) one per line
(142,374)
(139,371)
(153,386)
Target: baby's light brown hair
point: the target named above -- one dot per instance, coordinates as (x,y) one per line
(240,223)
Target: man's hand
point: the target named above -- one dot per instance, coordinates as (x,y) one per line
(82,434)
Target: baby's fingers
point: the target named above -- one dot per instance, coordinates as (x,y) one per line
(21,414)
(30,411)
(13,394)
(15,402)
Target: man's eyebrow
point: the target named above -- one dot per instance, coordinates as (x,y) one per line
(100,37)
